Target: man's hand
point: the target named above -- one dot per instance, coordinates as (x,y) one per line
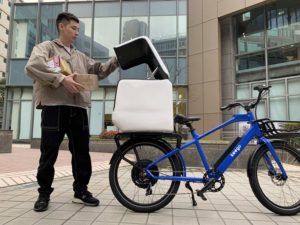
(72,86)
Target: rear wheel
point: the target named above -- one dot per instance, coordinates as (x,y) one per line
(278,194)
(133,187)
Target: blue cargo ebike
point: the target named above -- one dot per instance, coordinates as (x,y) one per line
(146,171)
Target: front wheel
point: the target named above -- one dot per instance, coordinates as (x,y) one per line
(132,187)
(278,194)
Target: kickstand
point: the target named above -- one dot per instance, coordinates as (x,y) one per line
(188,186)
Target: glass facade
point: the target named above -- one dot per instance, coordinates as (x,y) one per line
(268,52)
(103,25)
(25,22)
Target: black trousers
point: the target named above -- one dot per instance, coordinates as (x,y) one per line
(56,122)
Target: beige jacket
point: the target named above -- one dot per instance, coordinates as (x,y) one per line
(47,86)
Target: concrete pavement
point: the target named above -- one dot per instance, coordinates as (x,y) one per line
(235,204)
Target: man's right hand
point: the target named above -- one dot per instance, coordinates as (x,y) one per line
(71,85)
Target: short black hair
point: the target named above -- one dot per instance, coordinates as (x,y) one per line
(65,17)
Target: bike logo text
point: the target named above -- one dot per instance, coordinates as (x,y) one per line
(236,150)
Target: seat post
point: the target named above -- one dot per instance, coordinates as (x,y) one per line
(189,125)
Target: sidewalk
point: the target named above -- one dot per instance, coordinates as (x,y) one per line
(235,204)
(20,166)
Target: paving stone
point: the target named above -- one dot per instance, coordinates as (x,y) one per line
(210,221)
(14,212)
(71,207)
(22,221)
(49,221)
(257,216)
(110,217)
(235,204)
(59,214)
(90,216)
(184,212)
(185,220)
(74,222)
(159,220)
(236,222)
(262,223)
(207,214)
(5,219)
(100,223)
(231,215)
(135,218)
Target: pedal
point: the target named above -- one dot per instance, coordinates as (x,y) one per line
(207,186)
(201,195)
(188,186)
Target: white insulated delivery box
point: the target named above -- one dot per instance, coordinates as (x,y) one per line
(144,106)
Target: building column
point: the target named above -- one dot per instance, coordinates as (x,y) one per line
(204,65)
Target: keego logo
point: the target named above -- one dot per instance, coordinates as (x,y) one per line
(235,150)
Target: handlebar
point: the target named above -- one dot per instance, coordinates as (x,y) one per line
(260,88)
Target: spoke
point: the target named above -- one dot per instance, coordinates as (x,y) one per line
(136,154)
(291,192)
(279,192)
(128,161)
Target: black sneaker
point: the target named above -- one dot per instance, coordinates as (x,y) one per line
(85,198)
(41,203)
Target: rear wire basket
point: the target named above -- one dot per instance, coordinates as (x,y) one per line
(274,129)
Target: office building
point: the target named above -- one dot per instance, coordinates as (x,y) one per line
(4,31)
(216,52)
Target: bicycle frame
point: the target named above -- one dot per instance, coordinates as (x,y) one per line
(253,132)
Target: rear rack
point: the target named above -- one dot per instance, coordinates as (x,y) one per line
(153,135)
(273,129)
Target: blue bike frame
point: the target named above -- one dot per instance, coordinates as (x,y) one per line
(253,132)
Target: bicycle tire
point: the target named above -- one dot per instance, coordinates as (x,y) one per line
(279,196)
(126,175)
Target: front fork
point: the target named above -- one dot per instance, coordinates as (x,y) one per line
(268,161)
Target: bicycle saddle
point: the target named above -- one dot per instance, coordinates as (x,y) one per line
(181,119)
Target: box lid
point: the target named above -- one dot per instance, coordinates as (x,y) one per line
(141,50)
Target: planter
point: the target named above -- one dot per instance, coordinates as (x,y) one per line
(5,141)
(212,150)
(103,145)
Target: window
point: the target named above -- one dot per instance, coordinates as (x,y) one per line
(182,27)
(24,30)
(48,21)
(134,19)
(283,40)
(97,112)
(278,109)
(250,31)
(110,94)
(106,28)
(294,99)
(163,27)
(84,39)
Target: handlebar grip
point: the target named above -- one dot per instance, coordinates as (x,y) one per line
(224,107)
(230,106)
(261,88)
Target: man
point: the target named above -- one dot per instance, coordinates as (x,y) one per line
(64,105)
